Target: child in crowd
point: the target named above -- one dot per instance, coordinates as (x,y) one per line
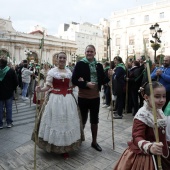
(142,150)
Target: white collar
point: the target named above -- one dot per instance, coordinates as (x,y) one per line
(145,115)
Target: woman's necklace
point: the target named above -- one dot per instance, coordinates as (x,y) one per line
(62,73)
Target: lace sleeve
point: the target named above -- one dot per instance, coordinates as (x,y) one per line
(168,128)
(49,80)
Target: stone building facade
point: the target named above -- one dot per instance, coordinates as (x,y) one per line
(15,45)
(129,27)
(104,25)
(84,34)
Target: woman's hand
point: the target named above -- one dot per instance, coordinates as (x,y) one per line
(38,89)
(111,72)
(156,148)
(73,86)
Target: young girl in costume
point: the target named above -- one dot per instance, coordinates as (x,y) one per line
(142,150)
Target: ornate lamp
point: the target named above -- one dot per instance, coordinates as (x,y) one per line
(27,52)
(156,33)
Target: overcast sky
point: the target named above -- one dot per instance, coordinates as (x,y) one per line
(50,13)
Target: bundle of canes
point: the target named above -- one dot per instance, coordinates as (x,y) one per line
(153,104)
(111,90)
(37,110)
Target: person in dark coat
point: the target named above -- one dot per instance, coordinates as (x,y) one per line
(8,84)
(89,76)
(106,86)
(118,85)
(134,85)
(162,75)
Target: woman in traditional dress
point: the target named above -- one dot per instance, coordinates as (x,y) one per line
(60,129)
(142,150)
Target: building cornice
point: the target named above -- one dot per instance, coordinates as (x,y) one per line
(142,8)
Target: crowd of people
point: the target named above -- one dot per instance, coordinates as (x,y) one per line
(63,114)
(133,73)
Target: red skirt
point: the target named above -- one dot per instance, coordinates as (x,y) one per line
(132,161)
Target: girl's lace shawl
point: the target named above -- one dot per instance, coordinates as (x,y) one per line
(145,115)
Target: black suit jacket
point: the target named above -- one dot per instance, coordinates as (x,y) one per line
(82,70)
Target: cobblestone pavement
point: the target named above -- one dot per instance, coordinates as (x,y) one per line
(17,150)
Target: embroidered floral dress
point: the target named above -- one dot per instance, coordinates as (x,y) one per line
(59,129)
(137,156)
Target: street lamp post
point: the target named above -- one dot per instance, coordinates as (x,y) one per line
(156,33)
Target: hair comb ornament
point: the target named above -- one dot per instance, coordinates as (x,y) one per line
(141,89)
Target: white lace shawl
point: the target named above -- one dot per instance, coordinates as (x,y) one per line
(55,73)
(168,129)
(145,115)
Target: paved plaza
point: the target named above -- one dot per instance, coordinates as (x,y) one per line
(17,150)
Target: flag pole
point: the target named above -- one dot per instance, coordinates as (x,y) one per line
(16,91)
(15,104)
(111,91)
(37,110)
(30,90)
(153,104)
(127,83)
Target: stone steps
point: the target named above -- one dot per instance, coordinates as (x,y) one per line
(25,114)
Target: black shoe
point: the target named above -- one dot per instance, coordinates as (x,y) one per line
(96,146)
(117,117)
(9,125)
(129,111)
